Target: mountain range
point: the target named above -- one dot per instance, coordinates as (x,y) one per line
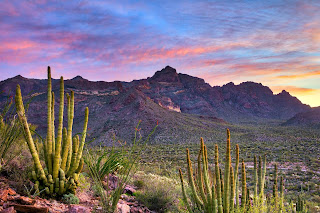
(177,100)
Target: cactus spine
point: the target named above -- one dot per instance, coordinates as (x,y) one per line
(52,179)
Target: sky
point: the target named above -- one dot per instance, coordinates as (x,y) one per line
(276,43)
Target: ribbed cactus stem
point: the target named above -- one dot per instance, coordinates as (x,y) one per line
(53,127)
(226,189)
(49,123)
(244,186)
(83,139)
(200,179)
(275,184)
(260,178)
(57,157)
(184,195)
(264,174)
(191,181)
(232,192)
(28,137)
(255,174)
(67,146)
(236,176)
(218,180)
(281,193)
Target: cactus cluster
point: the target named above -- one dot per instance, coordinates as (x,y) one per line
(62,153)
(212,192)
(300,206)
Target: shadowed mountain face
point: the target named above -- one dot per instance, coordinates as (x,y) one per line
(169,97)
(309,118)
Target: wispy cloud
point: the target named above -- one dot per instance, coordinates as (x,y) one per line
(272,42)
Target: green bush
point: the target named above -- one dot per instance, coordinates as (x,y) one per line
(158,193)
(70,199)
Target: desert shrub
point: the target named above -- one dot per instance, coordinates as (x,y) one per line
(84,182)
(100,165)
(158,193)
(70,199)
(138,183)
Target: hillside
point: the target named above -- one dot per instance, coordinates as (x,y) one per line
(182,104)
(309,118)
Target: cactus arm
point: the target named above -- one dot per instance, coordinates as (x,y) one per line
(200,179)
(275,185)
(264,173)
(281,193)
(27,133)
(231,189)
(244,186)
(206,176)
(53,128)
(49,123)
(184,193)
(226,189)
(218,180)
(236,177)
(191,181)
(260,178)
(255,173)
(75,147)
(56,161)
(67,146)
(83,139)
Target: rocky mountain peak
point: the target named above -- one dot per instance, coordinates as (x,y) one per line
(167,74)
(78,78)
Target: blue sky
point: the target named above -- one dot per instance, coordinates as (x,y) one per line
(273,42)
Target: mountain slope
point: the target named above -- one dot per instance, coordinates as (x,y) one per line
(182,104)
(309,118)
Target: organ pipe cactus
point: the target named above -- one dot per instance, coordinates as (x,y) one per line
(217,194)
(63,154)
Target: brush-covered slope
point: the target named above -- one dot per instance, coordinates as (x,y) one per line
(309,118)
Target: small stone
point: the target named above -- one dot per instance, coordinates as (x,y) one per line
(129,190)
(123,208)
(78,209)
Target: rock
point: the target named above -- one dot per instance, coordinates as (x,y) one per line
(123,207)
(29,208)
(22,200)
(9,210)
(129,190)
(78,209)
(11,191)
(4,195)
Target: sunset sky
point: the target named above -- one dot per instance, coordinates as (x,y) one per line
(273,42)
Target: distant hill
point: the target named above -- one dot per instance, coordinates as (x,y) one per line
(177,101)
(309,118)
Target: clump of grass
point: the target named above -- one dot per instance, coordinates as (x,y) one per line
(70,199)
(158,193)
(101,164)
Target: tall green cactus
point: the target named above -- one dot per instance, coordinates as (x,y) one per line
(217,194)
(244,186)
(275,185)
(62,166)
(237,176)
